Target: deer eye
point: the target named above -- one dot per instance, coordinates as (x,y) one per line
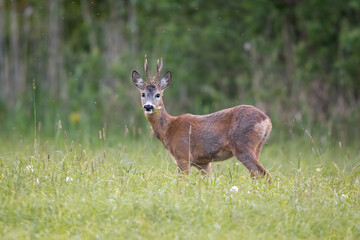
(143,95)
(157,95)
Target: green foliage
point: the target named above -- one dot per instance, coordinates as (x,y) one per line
(292,59)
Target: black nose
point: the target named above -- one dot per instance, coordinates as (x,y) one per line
(148,107)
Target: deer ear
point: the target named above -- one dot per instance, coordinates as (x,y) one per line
(137,80)
(165,80)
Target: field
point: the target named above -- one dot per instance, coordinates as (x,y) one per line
(129,188)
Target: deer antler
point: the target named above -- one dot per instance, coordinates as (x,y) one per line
(158,69)
(146,70)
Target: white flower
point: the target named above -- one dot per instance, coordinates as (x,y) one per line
(69,179)
(343,196)
(29,168)
(234,189)
(318,169)
(217,226)
(37,181)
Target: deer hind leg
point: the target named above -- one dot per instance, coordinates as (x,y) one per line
(264,129)
(248,158)
(205,168)
(263,139)
(261,144)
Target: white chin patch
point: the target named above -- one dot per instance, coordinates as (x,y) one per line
(148,112)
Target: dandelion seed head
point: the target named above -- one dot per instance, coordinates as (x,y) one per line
(29,168)
(234,189)
(69,179)
(343,196)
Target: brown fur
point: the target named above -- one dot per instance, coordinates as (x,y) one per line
(240,131)
(214,137)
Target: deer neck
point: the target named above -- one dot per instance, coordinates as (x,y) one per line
(159,121)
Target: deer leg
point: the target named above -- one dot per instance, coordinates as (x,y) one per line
(261,144)
(183,167)
(205,169)
(248,158)
(258,149)
(257,155)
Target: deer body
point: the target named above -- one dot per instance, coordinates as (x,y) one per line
(240,131)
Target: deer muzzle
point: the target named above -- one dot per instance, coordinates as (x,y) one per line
(148,108)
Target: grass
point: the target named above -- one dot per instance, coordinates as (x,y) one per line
(128,188)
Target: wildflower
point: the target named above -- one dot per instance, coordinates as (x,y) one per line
(103,134)
(35,145)
(74,117)
(343,196)
(29,168)
(37,181)
(234,189)
(217,226)
(318,169)
(69,179)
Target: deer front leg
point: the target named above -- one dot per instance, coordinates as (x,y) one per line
(183,166)
(205,169)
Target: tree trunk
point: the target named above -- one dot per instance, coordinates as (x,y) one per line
(3,89)
(55,58)
(133,27)
(25,40)
(17,80)
(114,34)
(289,55)
(86,14)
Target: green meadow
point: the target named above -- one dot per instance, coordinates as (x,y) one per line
(297,61)
(129,188)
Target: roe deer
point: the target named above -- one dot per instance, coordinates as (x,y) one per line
(198,140)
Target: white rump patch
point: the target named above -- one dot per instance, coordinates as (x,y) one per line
(261,127)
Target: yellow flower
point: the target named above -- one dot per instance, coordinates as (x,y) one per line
(74,117)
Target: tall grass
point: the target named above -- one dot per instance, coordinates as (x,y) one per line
(77,193)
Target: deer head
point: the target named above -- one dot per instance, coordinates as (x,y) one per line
(152,89)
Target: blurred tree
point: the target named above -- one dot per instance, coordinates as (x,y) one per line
(297,60)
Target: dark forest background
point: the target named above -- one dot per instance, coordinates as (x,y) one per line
(299,61)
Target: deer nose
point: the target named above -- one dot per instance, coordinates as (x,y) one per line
(148,107)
